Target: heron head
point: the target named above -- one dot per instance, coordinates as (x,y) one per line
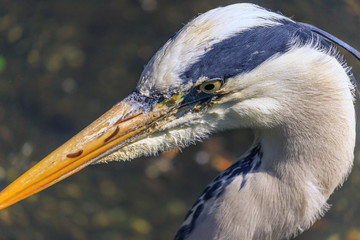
(224,69)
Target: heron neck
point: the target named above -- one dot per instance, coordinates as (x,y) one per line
(316,147)
(303,161)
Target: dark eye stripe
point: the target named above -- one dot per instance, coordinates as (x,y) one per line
(247,50)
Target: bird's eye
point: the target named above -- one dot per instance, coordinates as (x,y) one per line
(210,86)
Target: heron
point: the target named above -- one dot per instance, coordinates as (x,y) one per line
(238,66)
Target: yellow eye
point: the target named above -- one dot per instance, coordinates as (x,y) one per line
(210,86)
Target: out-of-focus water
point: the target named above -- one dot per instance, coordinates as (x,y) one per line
(64,63)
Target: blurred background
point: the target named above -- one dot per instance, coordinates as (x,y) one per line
(65,62)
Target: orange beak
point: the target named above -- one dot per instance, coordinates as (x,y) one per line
(121,125)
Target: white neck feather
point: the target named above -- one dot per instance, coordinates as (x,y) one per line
(307,143)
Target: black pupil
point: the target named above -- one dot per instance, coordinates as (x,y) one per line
(209,87)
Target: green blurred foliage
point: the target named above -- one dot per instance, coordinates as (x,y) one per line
(63,63)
